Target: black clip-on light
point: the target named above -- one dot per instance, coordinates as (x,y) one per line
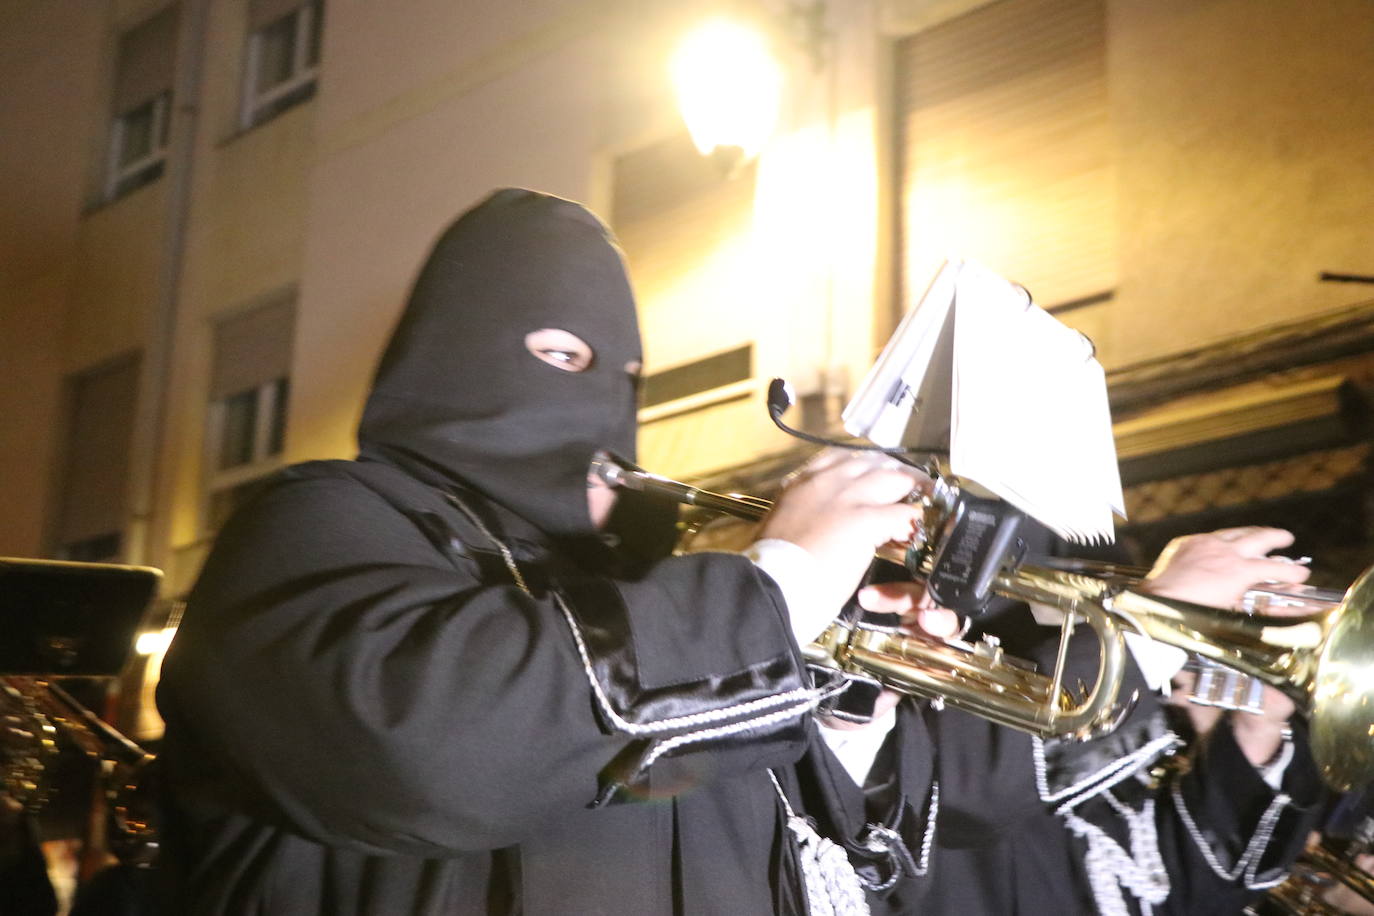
(979,537)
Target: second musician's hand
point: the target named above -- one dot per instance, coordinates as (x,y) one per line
(920,615)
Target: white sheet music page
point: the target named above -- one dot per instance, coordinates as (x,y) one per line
(1017,399)
(905,398)
(1030,419)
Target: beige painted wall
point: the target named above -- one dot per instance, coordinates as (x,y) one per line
(1245,132)
(118,254)
(244,247)
(30,401)
(50,119)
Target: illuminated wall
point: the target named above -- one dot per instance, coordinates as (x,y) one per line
(1236,172)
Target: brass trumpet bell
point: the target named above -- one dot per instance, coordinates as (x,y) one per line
(1342,693)
(1323,661)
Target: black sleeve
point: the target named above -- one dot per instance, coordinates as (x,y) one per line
(336,674)
(24,885)
(1224,833)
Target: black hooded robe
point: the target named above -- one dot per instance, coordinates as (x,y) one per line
(1017,817)
(401,682)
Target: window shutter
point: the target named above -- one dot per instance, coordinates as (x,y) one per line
(251,348)
(1006,154)
(266,12)
(93,496)
(147,61)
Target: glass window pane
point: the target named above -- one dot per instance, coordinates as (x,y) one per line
(239,418)
(275,45)
(136,135)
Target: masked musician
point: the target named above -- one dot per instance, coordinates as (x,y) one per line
(1115,825)
(452,677)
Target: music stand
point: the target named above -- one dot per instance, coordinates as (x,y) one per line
(63,619)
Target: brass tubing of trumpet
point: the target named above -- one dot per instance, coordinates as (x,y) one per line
(749,508)
(1081,596)
(950,672)
(1341,868)
(1302,891)
(979,681)
(63,707)
(1324,662)
(1280,651)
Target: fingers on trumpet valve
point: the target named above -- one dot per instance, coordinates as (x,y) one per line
(913,603)
(1218,567)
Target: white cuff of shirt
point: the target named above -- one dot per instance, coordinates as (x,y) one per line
(1272,772)
(857,748)
(794,569)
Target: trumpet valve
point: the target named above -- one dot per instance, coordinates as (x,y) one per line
(989,647)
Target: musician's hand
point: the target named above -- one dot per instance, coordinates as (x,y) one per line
(1217,568)
(840,507)
(1203,718)
(1258,735)
(920,615)
(1348,901)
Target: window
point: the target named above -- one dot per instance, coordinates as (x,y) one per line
(249,391)
(251,425)
(248,428)
(92,499)
(1006,150)
(138,146)
(142,104)
(283,56)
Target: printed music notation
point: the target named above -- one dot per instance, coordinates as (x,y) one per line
(1016,398)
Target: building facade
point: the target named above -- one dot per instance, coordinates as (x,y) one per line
(214,209)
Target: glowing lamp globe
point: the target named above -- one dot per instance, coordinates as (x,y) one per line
(729,87)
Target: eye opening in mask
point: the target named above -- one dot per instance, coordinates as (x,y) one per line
(560,349)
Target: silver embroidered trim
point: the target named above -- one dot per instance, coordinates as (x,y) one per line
(799,700)
(1248,863)
(1103,779)
(928,841)
(1110,868)
(833,888)
(735,728)
(506,555)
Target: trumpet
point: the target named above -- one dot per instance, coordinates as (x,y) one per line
(1323,660)
(1325,872)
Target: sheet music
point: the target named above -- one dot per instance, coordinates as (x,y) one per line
(892,405)
(1024,413)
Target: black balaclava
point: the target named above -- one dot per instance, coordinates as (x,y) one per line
(458,399)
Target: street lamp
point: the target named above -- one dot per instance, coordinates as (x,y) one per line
(729,88)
